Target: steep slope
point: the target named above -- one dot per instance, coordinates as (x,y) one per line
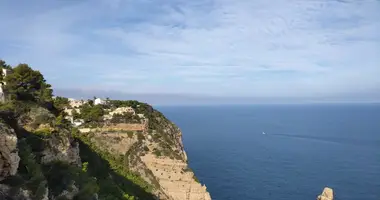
(43,157)
(154,151)
(41,162)
(121,149)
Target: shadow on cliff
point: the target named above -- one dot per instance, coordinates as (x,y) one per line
(35,141)
(110,183)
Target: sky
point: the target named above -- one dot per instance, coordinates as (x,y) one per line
(280,50)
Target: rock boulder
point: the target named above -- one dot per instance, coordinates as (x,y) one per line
(327,194)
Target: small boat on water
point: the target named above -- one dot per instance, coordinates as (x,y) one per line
(264,133)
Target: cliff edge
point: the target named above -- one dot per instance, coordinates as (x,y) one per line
(59,148)
(151,147)
(55,148)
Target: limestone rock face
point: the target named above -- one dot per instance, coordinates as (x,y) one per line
(158,156)
(327,194)
(176,179)
(9,159)
(61,147)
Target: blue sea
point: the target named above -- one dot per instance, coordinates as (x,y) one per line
(304,149)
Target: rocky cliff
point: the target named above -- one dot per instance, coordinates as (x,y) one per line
(42,156)
(9,158)
(33,161)
(54,149)
(155,152)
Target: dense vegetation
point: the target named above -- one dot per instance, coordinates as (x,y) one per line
(92,113)
(112,170)
(27,84)
(61,102)
(29,103)
(125,118)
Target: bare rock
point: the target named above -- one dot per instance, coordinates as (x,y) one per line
(66,194)
(327,194)
(20,194)
(9,159)
(61,147)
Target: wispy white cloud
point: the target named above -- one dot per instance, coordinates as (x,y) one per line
(284,48)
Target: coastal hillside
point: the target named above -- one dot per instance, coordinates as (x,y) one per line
(61,148)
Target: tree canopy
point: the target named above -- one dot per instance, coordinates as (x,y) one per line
(4,65)
(61,102)
(92,113)
(24,83)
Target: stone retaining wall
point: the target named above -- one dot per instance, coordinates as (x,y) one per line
(117,127)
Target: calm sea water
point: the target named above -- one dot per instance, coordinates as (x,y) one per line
(305,148)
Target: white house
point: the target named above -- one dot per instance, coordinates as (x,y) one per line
(4,73)
(99,101)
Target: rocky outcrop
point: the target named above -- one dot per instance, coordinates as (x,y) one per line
(327,194)
(158,156)
(176,179)
(35,117)
(148,156)
(69,194)
(9,159)
(9,163)
(61,147)
(20,194)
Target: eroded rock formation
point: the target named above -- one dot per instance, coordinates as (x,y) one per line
(176,179)
(327,194)
(9,159)
(157,154)
(61,147)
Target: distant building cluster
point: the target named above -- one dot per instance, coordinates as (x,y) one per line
(74,105)
(120,110)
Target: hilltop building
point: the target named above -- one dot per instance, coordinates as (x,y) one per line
(4,73)
(99,101)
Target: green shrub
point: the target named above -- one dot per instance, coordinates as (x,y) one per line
(196,179)
(140,137)
(61,102)
(41,119)
(125,118)
(31,170)
(146,148)
(130,134)
(27,84)
(187,170)
(92,113)
(157,152)
(43,131)
(85,166)
(61,176)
